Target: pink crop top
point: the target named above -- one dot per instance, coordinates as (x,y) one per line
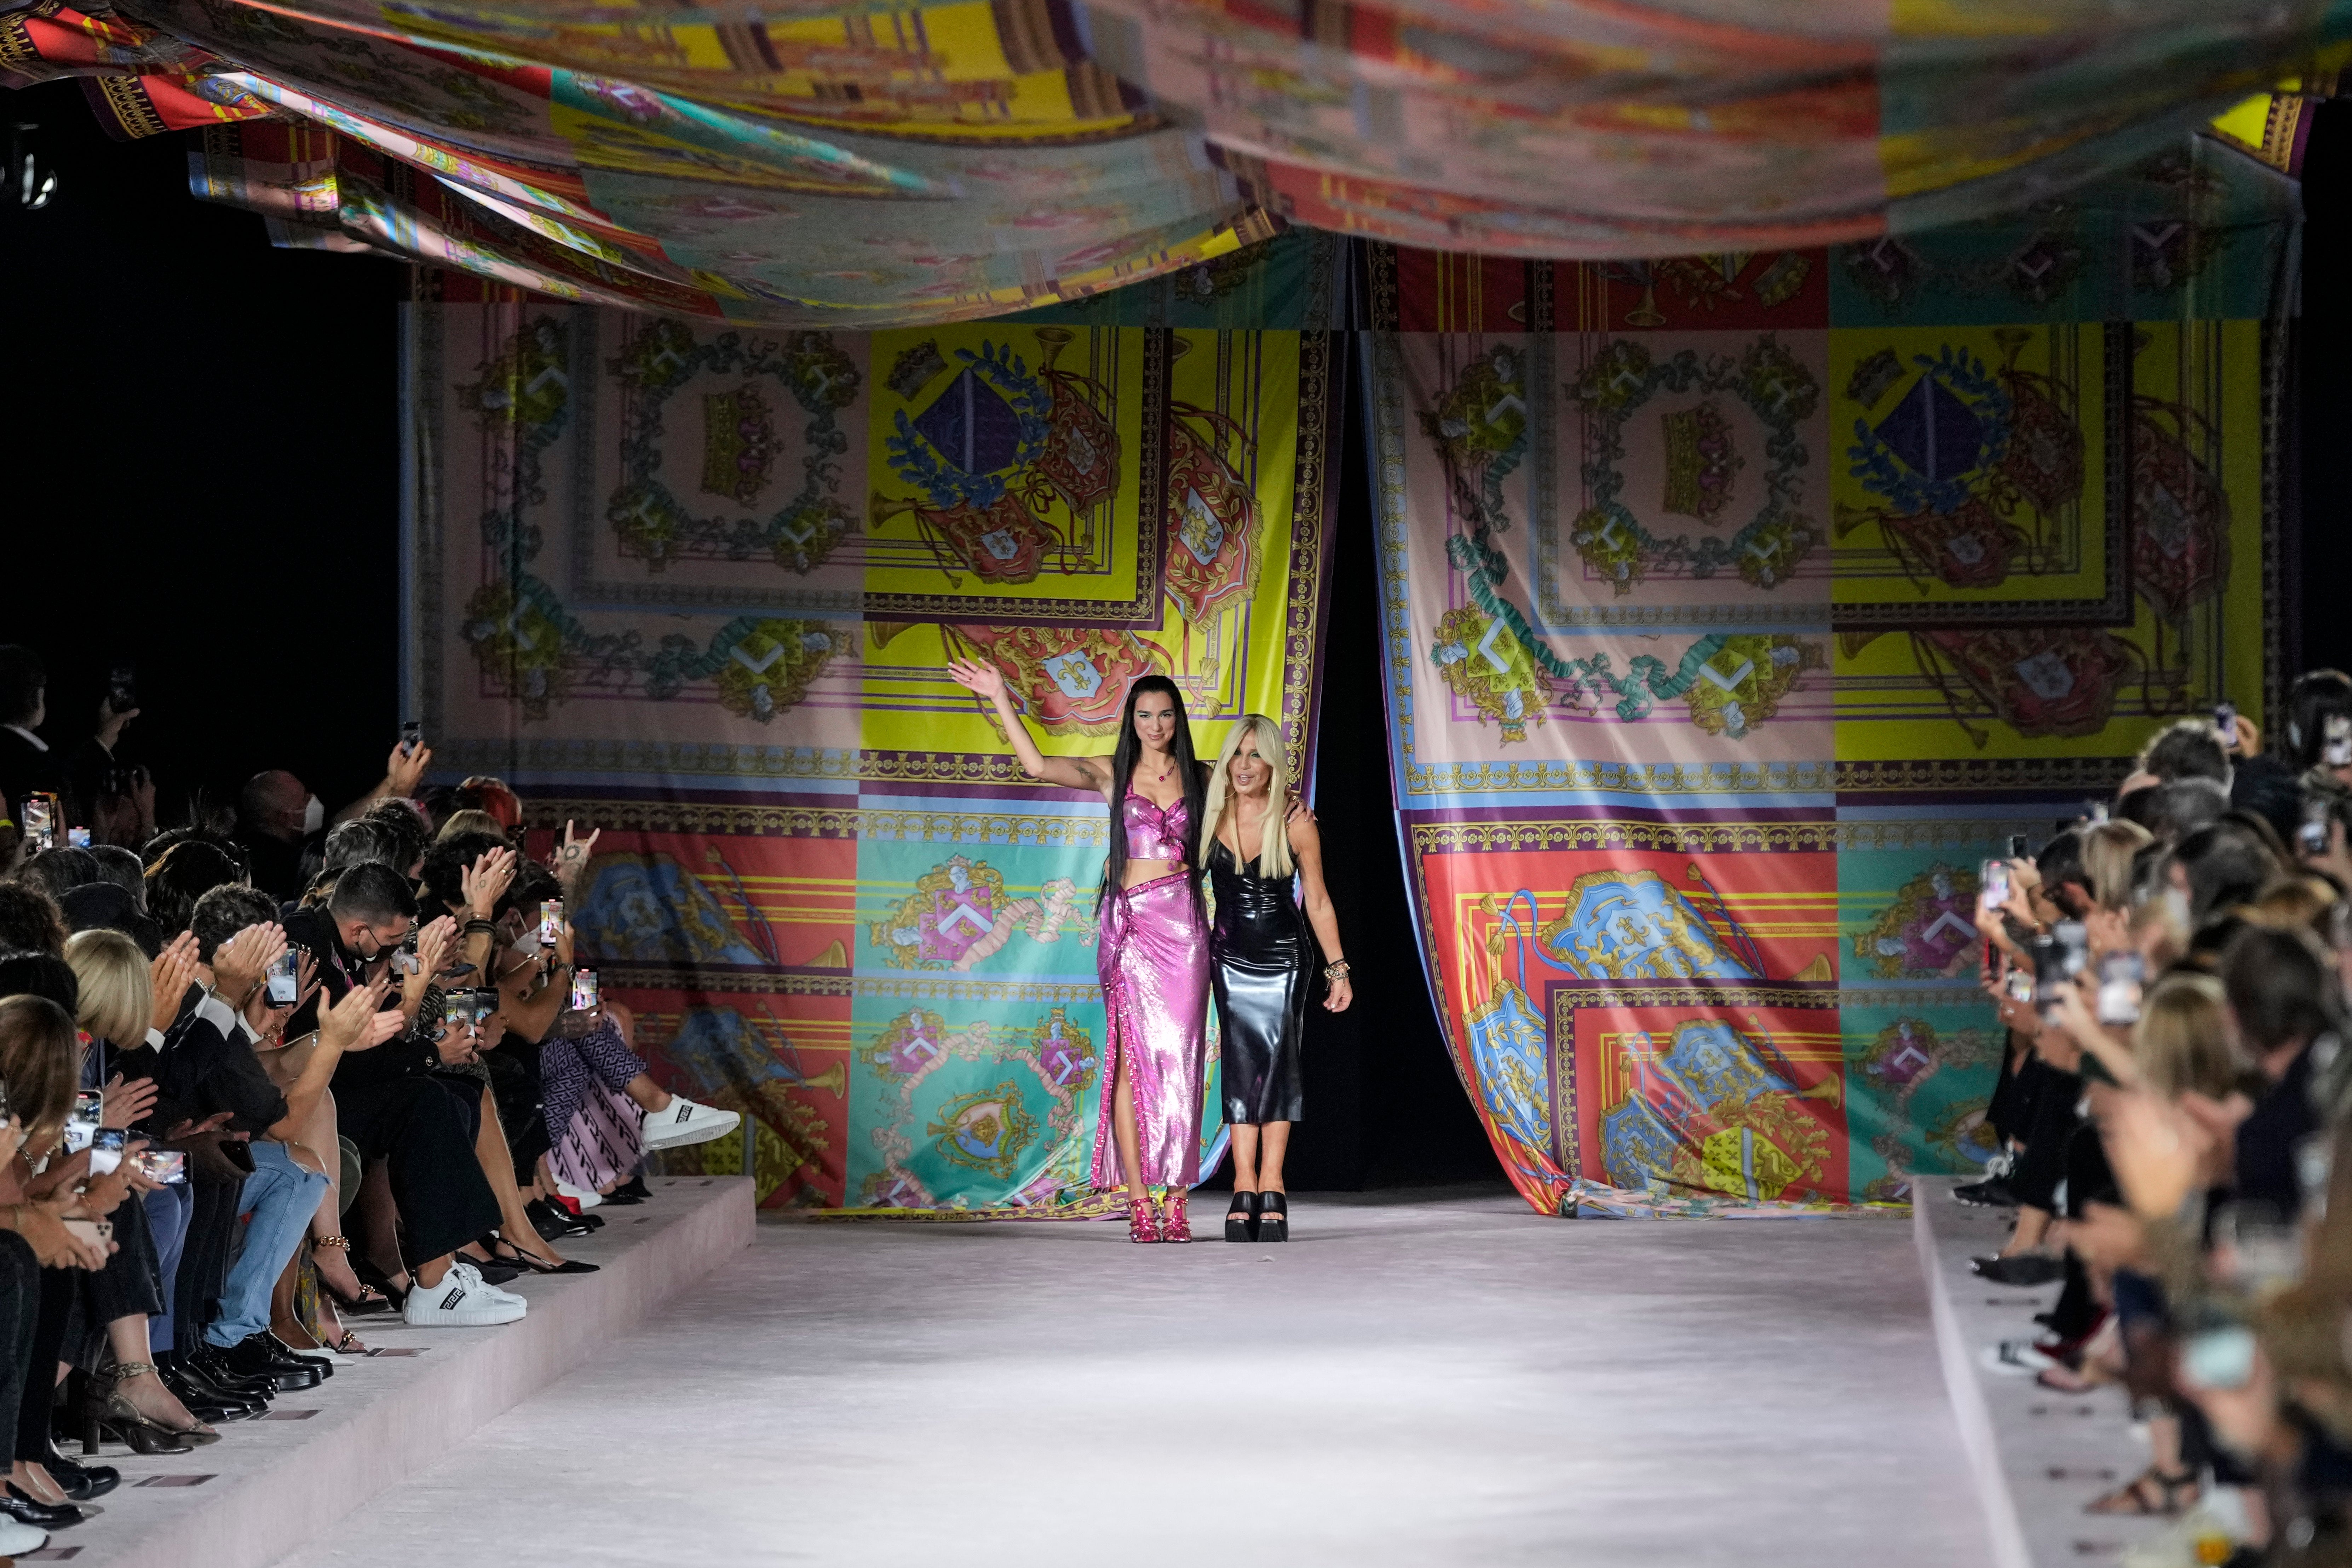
(1152,833)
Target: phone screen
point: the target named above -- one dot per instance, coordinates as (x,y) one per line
(550,922)
(163,1164)
(122,687)
(584,990)
(412,735)
(106,1150)
(2225,723)
(284,981)
(78,837)
(82,1124)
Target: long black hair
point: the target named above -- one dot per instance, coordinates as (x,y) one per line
(1123,770)
(2318,696)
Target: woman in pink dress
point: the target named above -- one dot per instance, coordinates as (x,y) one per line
(1153,949)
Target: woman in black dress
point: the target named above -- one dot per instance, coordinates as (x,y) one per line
(1259,956)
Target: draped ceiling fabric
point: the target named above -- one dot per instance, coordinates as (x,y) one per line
(1738,607)
(698,588)
(840,165)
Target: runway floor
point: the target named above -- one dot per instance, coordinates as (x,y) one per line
(1417,1378)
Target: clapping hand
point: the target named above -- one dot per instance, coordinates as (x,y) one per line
(125,1104)
(171,973)
(240,963)
(484,882)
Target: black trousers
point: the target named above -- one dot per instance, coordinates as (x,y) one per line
(437,1184)
(2010,1112)
(60,1291)
(2043,1163)
(20,1313)
(204,1260)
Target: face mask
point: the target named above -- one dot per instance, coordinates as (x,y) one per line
(314,816)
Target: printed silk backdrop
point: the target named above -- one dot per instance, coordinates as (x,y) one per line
(1737,606)
(698,586)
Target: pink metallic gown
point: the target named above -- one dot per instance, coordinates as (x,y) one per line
(1153,957)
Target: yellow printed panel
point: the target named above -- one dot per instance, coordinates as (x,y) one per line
(1221,532)
(1968,465)
(2057,691)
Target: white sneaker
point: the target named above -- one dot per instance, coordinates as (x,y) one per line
(18,1539)
(687,1122)
(460,1301)
(586,1197)
(473,1279)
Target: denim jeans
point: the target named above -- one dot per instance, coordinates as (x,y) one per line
(168,1210)
(280,1198)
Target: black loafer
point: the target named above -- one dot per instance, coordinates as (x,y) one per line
(40,1515)
(81,1482)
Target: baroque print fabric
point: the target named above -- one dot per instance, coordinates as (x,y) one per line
(697,586)
(1739,606)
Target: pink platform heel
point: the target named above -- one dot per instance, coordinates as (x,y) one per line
(1143,1223)
(1179,1227)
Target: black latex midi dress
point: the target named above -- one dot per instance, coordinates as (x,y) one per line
(1261,956)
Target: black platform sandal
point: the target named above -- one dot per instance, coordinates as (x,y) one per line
(1241,1217)
(1273,1217)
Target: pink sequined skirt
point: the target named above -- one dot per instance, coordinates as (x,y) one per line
(1153,957)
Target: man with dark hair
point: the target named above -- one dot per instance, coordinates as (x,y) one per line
(388,1103)
(2285,997)
(31,919)
(208,1061)
(2223,864)
(2064,884)
(2187,749)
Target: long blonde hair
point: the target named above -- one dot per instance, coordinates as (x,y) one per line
(2107,851)
(1274,838)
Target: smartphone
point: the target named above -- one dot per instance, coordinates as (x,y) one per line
(82,1124)
(2218,1359)
(162,1164)
(77,837)
(584,990)
(1994,882)
(2337,751)
(412,735)
(2096,812)
(106,1149)
(2073,945)
(550,922)
(2311,838)
(457,1012)
(93,1232)
(404,957)
(284,981)
(122,687)
(2017,848)
(40,823)
(2021,985)
(2049,976)
(2121,976)
(2225,723)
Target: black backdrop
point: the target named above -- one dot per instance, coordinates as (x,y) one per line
(203,454)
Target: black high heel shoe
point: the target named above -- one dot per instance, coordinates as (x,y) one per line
(1273,1217)
(1241,1217)
(569,1266)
